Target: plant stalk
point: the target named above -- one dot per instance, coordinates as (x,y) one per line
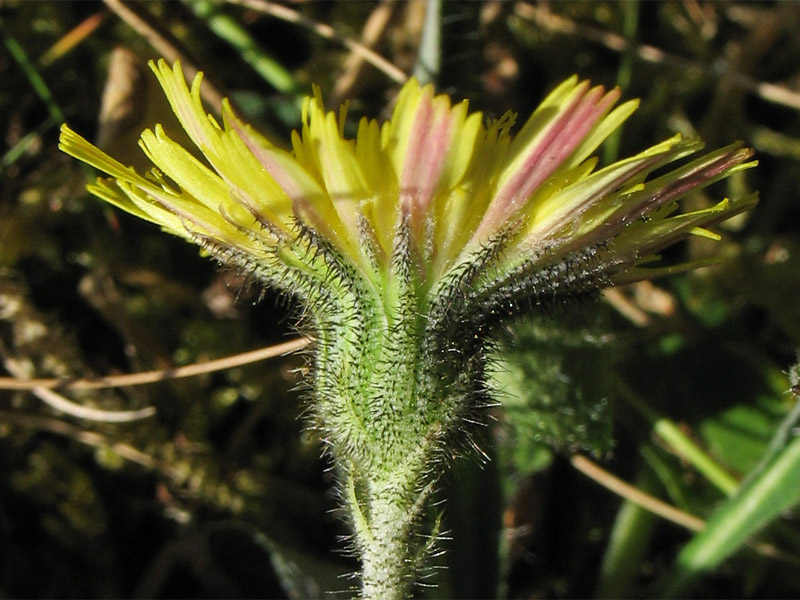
(388,571)
(392,396)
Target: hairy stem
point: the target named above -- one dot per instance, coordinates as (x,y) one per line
(394,389)
(387,416)
(389,539)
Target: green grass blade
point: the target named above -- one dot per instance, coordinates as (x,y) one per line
(237,36)
(688,449)
(627,544)
(681,443)
(429,61)
(630,26)
(37,82)
(22,146)
(761,500)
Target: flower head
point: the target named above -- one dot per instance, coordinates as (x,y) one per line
(408,246)
(435,177)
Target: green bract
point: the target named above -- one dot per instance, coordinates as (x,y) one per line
(408,246)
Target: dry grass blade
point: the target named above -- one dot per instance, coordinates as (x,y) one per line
(595,472)
(371,33)
(629,492)
(228,362)
(66,406)
(72,409)
(542,16)
(74,37)
(327,32)
(137,17)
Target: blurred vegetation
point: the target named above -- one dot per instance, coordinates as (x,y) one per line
(681,387)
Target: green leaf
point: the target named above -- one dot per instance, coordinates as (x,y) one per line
(554,387)
(760,501)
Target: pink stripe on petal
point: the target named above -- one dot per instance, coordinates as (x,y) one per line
(409,186)
(564,141)
(688,181)
(425,159)
(506,199)
(431,161)
(563,136)
(592,199)
(512,189)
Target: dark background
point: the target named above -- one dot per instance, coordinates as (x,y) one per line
(223,493)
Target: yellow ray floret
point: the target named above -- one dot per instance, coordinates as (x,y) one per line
(455,181)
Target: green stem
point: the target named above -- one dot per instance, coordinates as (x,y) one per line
(385,442)
(387,506)
(387,569)
(429,61)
